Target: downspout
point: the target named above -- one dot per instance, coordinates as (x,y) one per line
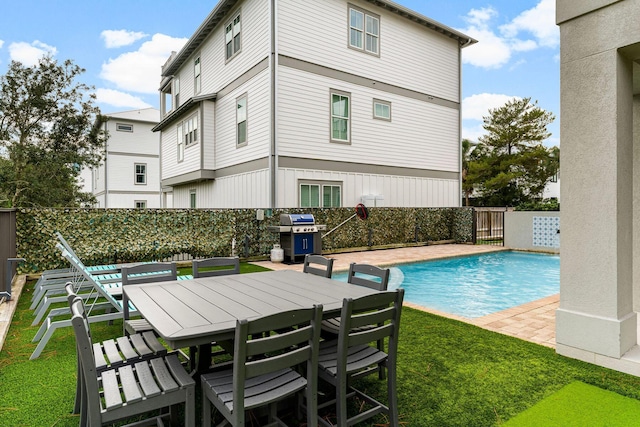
(273,152)
(469,41)
(106,157)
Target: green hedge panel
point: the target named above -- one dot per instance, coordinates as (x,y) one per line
(102,236)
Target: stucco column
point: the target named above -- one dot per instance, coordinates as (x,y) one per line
(636,196)
(596,314)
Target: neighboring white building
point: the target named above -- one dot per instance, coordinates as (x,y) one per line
(290,103)
(129,177)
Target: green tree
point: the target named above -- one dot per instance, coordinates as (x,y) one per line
(49,129)
(510,165)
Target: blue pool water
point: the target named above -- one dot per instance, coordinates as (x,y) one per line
(474,286)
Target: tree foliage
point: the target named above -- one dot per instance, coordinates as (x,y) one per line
(49,129)
(510,165)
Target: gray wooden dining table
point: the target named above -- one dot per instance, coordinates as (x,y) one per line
(196,312)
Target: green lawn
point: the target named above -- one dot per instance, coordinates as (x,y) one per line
(449,374)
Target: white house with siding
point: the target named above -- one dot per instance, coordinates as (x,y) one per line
(292,103)
(129,177)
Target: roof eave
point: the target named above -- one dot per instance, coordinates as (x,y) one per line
(463,39)
(208,25)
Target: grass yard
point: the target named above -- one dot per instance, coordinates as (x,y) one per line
(449,374)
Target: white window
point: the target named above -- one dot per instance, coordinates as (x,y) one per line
(124,127)
(340,117)
(381,110)
(141,204)
(241,120)
(180,133)
(320,195)
(232,37)
(364,31)
(140,173)
(192,199)
(196,74)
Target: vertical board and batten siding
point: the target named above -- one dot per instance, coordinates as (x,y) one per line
(258,124)
(429,61)
(247,190)
(420,135)
(128,201)
(397,191)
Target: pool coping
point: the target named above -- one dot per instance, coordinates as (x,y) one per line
(533,321)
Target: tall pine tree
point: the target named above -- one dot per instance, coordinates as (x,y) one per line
(510,165)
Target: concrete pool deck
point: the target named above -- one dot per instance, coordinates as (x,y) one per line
(534,321)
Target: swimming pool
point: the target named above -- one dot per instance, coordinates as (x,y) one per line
(477,285)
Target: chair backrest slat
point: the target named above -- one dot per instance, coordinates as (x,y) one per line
(300,330)
(218,266)
(311,263)
(149,273)
(372,309)
(378,277)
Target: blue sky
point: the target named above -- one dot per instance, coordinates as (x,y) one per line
(123,43)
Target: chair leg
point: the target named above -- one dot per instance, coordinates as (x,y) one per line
(341,402)
(206,407)
(190,408)
(392,396)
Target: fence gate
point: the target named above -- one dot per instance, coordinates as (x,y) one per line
(488,227)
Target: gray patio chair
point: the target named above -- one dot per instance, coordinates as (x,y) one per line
(114,352)
(213,267)
(270,377)
(52,282)
(132,389)
(351,356)
(217,266)
(140,274)
(103,302)
(318,265)
(362,275)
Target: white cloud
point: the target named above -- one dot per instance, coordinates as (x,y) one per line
(495,48)
(539,21)
(119,38)
(1,43)
(119,99)
(139,71)
(30,53)
(475,107)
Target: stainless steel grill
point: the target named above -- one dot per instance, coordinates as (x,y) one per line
(299,235)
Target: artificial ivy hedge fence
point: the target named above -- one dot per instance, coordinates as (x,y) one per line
(101,236)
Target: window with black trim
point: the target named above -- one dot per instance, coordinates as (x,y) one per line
(141,204)
(364,30)
(124,127)
(140,173)
(232,37)
(190,129)
(192,199)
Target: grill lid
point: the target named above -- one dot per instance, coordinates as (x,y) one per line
(297,219)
